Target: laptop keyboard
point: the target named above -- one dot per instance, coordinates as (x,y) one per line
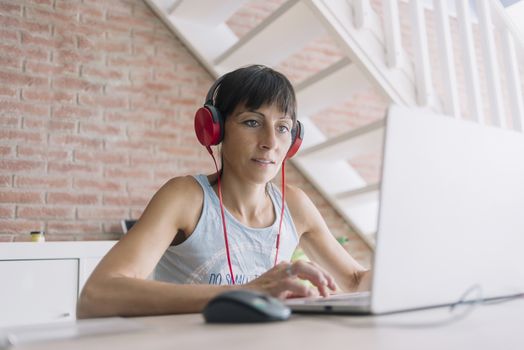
(360,298)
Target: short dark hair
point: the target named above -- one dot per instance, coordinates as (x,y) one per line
(255,86)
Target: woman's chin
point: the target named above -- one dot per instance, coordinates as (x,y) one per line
(263,177)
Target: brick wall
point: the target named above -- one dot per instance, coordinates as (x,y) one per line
(96,106)
(96,109)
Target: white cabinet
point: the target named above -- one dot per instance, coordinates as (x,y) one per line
(40,282)
(37,291)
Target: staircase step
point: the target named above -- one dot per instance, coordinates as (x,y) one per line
(191,10)
(209,42)
(363,215)
(360,207)
(165,5)
(330,178)
(363,192)
(330,87)
(342,186)
(283,33)
(333,178)
(204,41)
(368,138)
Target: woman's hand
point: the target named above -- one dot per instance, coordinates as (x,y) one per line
(284,280)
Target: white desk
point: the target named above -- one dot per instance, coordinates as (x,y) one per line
(498,326)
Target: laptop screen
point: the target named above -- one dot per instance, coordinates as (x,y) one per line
(451,211)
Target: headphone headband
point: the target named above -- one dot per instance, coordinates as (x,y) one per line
(210,97)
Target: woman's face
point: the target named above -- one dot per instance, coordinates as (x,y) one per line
(256,142)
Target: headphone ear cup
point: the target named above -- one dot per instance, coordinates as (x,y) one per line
(208,125)
(297,135)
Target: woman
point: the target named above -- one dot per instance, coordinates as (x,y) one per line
(209,234)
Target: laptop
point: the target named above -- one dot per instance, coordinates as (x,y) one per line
(451,217)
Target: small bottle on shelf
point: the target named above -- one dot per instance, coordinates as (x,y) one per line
(37,236)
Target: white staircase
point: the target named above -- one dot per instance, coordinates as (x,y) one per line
(373,53)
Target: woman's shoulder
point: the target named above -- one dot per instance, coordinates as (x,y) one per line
(182,199)
(183,191)
(296,198)
(186,183)
(301,208)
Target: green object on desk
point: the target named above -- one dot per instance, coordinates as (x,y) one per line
(342,240)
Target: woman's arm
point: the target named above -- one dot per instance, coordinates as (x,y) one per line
(118,286)
(320,245)
(128,296)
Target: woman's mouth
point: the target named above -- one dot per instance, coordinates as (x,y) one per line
(263,161)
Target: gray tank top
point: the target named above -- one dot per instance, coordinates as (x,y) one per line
(201,259)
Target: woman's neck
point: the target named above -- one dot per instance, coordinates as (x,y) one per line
(249,203)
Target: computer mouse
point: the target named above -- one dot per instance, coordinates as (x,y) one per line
(244,306)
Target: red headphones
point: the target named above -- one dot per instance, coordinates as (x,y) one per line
(209,129)
(209,124)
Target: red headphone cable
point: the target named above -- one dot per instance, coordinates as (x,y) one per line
(282,204)
(223,217)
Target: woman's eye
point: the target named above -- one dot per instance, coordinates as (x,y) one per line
(283,129)
(251,123)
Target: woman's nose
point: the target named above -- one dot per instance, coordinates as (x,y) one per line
(268,138)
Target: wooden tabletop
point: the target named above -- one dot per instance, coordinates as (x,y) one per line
(496,326)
